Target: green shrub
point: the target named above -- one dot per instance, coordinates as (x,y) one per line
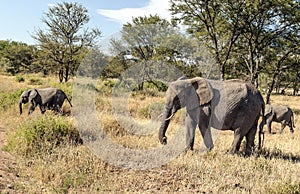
(35,81)
(152,111)
(20,78)
(42,135)
(9,99)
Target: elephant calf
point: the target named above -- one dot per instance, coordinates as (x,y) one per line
(47,98)
(280,114)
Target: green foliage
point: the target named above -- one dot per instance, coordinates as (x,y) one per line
(152,111)
(93,64)
(35,81)
(16,57)
(151,48)
(20,78)
(242,35)
(9,99)
(42,135)
(65,40)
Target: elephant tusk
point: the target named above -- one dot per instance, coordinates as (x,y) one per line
(169,117)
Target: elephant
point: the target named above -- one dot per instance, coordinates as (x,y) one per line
(280,114)
(46,98)
(224,105)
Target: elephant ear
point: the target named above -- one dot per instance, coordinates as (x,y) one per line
(32,94)
(201,93)
(268,109)
(204,91)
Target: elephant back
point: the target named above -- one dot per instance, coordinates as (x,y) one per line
(47,94)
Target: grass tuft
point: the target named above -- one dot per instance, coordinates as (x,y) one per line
(42,135)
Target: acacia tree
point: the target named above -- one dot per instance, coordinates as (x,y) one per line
(269,27)
(65,37)
(149,41)
(215,23)
(239,33)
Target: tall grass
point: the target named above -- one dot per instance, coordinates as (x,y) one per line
(48,161)
(42,135)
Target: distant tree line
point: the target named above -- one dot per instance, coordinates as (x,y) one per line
(253,40)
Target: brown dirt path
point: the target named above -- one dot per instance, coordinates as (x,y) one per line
(7,177)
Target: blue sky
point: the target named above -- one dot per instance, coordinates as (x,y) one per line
(19,19)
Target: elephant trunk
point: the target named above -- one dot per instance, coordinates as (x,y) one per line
(20,106)
(167,115)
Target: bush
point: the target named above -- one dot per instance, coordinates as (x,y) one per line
(20,78)
(152,111)
(42,135)
(9,99)
(35,81)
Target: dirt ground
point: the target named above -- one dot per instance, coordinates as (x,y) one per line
(7,177)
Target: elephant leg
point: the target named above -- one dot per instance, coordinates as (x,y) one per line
(190,124)
(207,137)
(236,144)
(283,124)
(43,109)
(31,109)
(291,127)
(269,125)
(59,110)
(250,137)
(205,127)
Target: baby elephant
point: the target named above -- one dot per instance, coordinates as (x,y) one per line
(47,98)
(280,114)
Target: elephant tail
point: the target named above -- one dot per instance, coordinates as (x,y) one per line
(293,120)
(20,107)
(261,135)
(69,101)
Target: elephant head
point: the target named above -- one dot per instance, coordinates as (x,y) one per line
(29,96)
(189,93)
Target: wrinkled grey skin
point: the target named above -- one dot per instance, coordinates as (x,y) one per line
(46,99)
(225,105)
(280,114)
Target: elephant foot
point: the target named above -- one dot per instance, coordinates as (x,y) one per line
(189,148)
(204,150)
(232,151)
(163,140)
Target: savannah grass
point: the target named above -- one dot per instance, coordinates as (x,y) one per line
(73,168)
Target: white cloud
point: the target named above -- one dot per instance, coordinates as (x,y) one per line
(122,16)
(51,5)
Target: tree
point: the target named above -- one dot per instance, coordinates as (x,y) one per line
(65,37)
(240,33)
(151,41)
(93,64)
(215,23)
(268,29)
(16,57)
(144,41)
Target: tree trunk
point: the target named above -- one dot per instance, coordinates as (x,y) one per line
(271,87)
(67,72)
(222,73)
(61,75)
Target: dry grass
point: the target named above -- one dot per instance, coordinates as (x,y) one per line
(75,169)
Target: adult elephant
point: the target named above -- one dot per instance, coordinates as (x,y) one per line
(280,114)
(224,105)
(47,98)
